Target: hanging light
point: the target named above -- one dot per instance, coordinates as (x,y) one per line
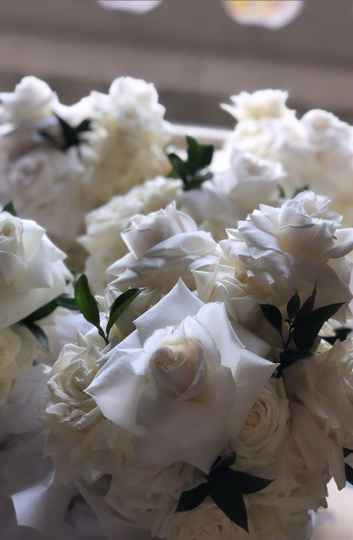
(268,13)
(135,6)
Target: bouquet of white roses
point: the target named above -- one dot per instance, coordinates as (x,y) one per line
(198,377)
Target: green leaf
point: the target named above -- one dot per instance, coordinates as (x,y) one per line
(307,327)
(288,358)
(87,304)
(67,302)
(70,135)
(281,191)
(309,304)
(273,315)
(192,171)
(10,208)
(300,190)
(199,155)
(42,312)
(341,334)
(189,500)
(251,484)
(197,181)
(349,474)
(293,306)
(179,169)
(225,491)
(223,462)
(37,332)
(120,305)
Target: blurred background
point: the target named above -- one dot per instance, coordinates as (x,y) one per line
(194,52)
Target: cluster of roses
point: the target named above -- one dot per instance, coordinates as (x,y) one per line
(206,390)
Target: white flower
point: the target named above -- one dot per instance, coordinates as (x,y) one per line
(323,383)
(262,438)
(322,159)
(146,496)
(284,518)
(232,195)
(16,356)
(263,104)
(25,407)
(62,327)
(265,122)
(314,151)
(278,251)
(41,181)
(206,522)
(128,138)
(163,246)
(178,379)
(314,450)
(31,269)
(103,239)
(219,284)
(80,439)
(31,102)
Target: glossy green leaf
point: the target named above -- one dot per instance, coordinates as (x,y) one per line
(307,328)
(37,332)
(189,500)
(120,305)
(273,315)
(293,306)
(10,209)
(87,304)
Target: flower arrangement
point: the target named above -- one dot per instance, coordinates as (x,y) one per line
(196,380)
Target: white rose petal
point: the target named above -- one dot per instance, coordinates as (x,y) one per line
(177,379)
(104,225)
(129,137)
(31,269)
(31,102)
(232,194)
(279,251)
(164,246)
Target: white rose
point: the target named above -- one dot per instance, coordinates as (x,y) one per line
(265,123)
(231,195)
(146,496)
(314,151)
(262,438)
(41,181)
(24,409)
(104,225)
(163,246)
(16,356)
(284,518)
(323,160)
(278,251)
(219,284)
(313,455)
(324,384)
(206,522)
(128,139)
(178,379)
(31,102)
(80,439)
(62,327)
(31,269)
